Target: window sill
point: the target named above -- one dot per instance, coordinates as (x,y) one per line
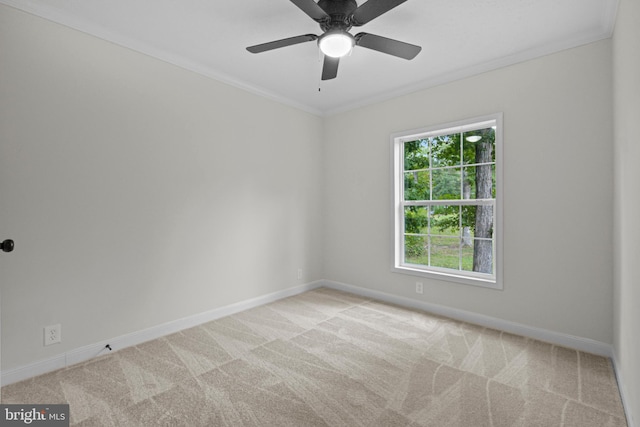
(491,283)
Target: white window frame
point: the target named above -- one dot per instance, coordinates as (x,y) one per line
(493,281)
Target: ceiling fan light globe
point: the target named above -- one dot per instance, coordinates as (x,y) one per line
(336,44)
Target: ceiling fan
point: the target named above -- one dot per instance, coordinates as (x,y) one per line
(336,17)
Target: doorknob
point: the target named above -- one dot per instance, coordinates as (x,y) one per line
(7,245)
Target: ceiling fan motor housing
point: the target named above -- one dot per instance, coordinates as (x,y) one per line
(340,12)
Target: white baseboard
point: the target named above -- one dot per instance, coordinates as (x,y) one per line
(623,392)
(97,349)
(565,340)
(88,352)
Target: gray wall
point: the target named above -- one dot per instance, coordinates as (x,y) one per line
(139,193)
(626,78)
(557,191)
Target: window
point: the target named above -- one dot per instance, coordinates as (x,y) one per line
(447,201)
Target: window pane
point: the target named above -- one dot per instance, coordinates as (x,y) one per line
(479,182)
(483,226)
(467,256)
(479,146)
(445,220)
(445,252)
(446,184)
(416,155)
(481,256)
(416,185)
(416,250)
(468,217)
(445,150)
(478,219)
(415,219)
(467,222)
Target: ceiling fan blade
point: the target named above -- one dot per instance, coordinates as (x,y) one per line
(312,9)
(281,43)
(372,9)
(330,67)
(389,46)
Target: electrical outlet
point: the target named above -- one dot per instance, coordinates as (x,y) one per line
(52,334)
(299,273)
(419,288)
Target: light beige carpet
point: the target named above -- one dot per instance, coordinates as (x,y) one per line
(328,358)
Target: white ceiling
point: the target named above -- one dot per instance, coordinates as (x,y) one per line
(459,38)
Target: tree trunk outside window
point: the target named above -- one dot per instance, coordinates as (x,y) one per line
(482,250)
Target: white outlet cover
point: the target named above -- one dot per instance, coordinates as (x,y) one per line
(52,334)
